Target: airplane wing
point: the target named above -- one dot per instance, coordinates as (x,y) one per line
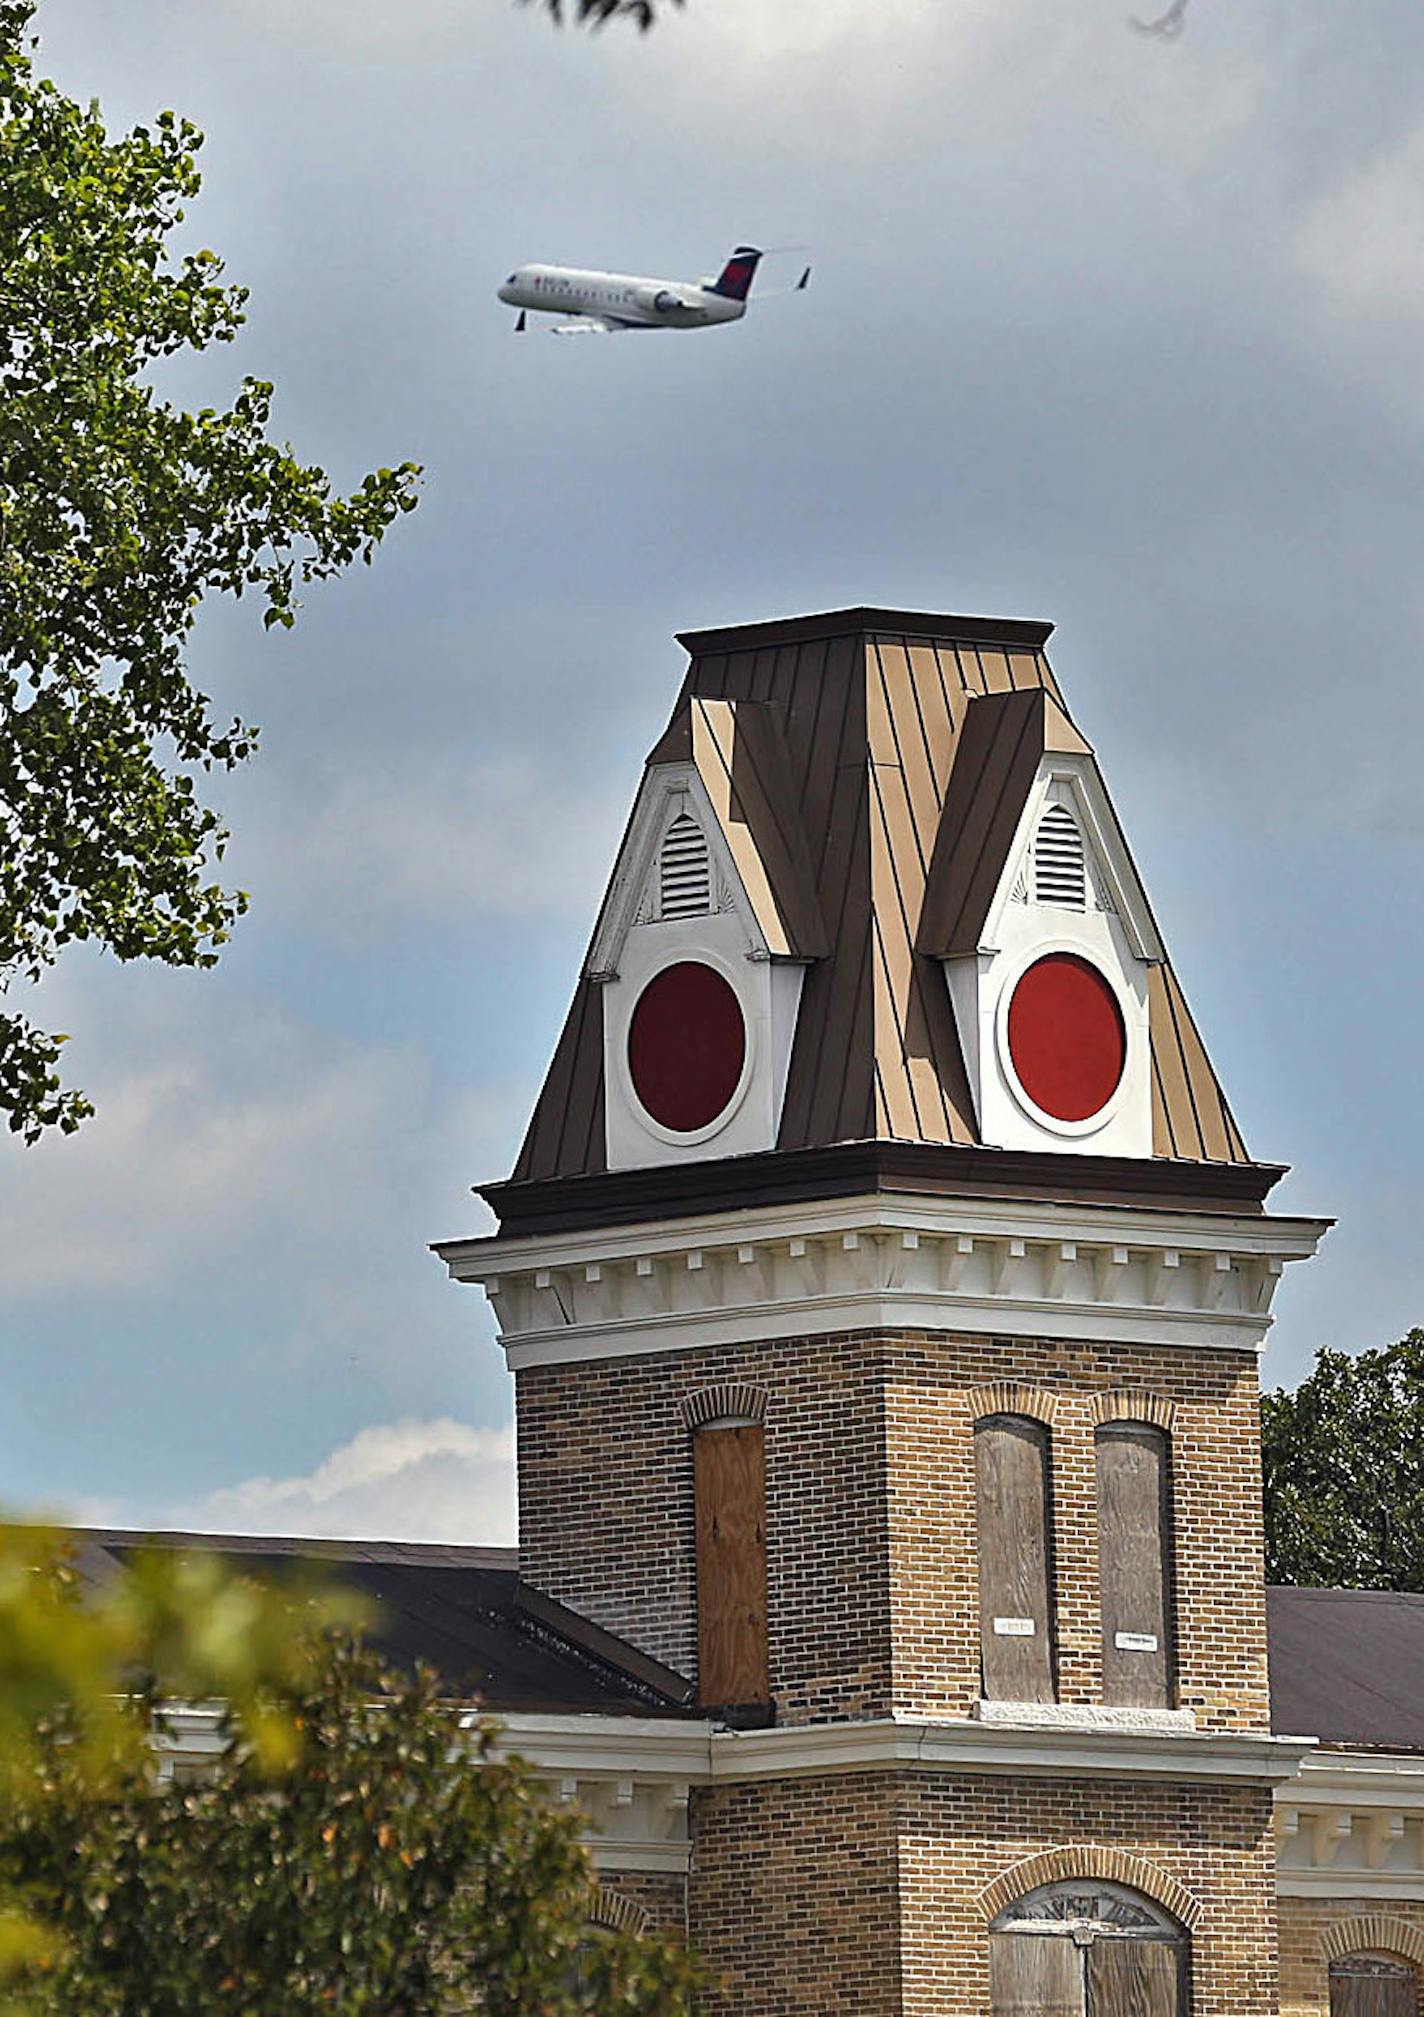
(596,325)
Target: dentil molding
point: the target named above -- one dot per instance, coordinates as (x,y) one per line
(1105,1274)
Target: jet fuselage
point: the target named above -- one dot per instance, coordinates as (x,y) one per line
(618,297)
(631,300)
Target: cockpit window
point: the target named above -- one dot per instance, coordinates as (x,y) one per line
(511,280)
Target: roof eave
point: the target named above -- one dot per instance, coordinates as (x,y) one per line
(1024,634)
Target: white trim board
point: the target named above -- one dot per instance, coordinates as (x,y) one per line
(703,1754)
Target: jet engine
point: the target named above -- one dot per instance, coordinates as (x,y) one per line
(657,300)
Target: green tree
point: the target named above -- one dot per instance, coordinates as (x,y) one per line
(595,13)
(356,1848)
(119,513)
(1343,1458)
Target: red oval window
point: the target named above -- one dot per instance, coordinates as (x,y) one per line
(1066,1037)
(687,1044)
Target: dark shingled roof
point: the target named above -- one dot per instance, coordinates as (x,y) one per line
(464,1611)
(1347,1666)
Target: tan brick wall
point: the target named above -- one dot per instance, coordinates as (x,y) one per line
(662,1897)
(606,1508)
(1220,1570)
(792,1897)
(1305,1980)
(865,1892)
(870,1511)
(958,1835)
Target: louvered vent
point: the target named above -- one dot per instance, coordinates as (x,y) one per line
(1059,871)
(684,871)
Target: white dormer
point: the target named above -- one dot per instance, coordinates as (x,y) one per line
(1052,1005)
(699,1008)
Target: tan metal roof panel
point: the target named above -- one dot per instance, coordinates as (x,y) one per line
(869,768)
(742,760)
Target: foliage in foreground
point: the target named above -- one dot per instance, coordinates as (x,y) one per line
(1343,1457)
(119,514)
(355,1848)
(597,13)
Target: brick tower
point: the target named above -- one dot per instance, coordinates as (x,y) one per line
(884,1275)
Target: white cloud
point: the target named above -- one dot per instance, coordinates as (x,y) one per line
(439,1480)
(435,840)
(1359,247)
(174,1165)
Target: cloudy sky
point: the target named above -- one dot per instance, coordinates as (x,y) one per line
(1125,334)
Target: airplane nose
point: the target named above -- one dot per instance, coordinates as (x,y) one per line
(505,293)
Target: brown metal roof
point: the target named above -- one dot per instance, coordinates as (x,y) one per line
(1027,632)
(463,1611)
(999,750)
(855,1169)
(869,768)
(1346,1666)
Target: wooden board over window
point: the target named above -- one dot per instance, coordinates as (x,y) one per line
(1134,1560)
(1133,1978)
(730,1471)
(1015,1611)
(1032,1976)
(1373,1985)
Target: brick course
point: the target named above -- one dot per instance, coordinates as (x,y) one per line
(792,1900)
(1305,1979)
(866,1892)
(870,1509)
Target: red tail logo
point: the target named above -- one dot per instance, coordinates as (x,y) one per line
(735,279)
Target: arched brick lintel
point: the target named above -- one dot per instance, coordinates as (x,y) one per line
(728,1403)
(614,1910)
(1373,1933)
(1124,1406)
(1113,1866)
(1005,1397)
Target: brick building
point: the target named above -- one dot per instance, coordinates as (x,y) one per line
(884,1276)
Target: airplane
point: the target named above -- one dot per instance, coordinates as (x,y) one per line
(603,304)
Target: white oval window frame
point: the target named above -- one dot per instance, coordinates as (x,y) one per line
(672,1137)
(1132,1042)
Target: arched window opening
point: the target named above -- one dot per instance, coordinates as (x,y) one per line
(1012,1509)
(1135,1565)
(684,871)
(1087,1948)
(1060,874)
(1373,1985)
(729,1475)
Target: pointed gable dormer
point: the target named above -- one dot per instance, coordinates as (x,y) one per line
(1037,913)
(885,860)
(705,935)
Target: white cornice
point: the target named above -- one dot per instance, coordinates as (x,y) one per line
(599,1747)
(1104,1273)
(1352,1826)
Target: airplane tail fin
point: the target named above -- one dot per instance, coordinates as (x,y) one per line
(735,279)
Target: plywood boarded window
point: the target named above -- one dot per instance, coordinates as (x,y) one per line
(1373,1985)
(1011,1476)
(729,1465)
(1135,1565)
(1087,1949)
